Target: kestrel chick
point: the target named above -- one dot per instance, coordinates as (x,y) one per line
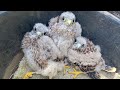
(88,57)
(42,54)
(63,30)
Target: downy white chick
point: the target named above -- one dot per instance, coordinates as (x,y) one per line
(63,30)
(43,56)
(88,57)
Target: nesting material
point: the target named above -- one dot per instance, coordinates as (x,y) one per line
(24,68)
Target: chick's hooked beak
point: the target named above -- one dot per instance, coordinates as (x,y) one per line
(68,21)
(39,33)
(78,45)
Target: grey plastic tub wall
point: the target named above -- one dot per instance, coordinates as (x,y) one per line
(102,29)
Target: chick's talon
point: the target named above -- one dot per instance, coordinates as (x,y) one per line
(28,75)
(75,72)
(65,67)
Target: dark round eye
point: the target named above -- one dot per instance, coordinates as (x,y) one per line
(63,18)
(83,45)
(73,20)
(75,40)
(35,29)
(45,33)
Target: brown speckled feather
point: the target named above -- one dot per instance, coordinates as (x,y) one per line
(89,48)
(62,34)
(42,49)
(88,58)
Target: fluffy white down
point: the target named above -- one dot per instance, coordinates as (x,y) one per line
(28,53)
(98,48)
(81,40)
(68,14)
(41,27)
(38,49)
(91,58)
(64,35)
(52,69)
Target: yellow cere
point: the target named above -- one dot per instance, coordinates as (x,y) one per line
(67,21)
